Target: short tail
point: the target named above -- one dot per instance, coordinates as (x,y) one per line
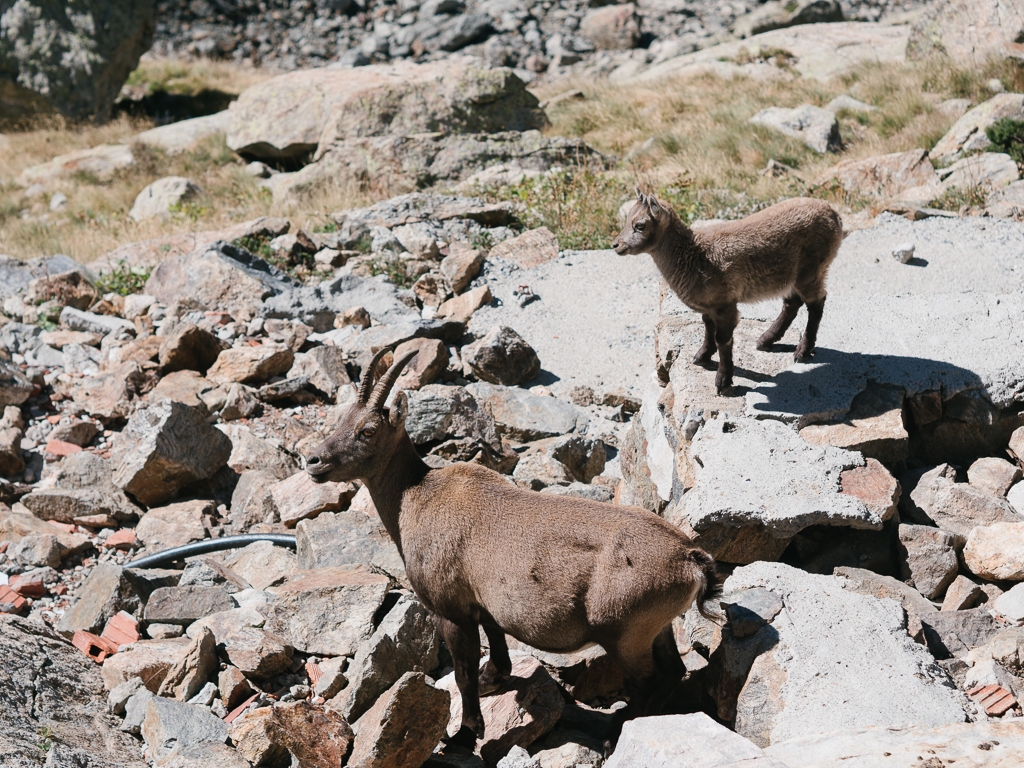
(710,588)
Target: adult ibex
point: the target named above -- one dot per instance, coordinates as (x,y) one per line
(784,250)
(554,572)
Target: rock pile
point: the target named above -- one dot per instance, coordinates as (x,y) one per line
(529,36)
(180,415)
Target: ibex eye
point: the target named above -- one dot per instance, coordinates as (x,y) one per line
(639,227)
(368,431)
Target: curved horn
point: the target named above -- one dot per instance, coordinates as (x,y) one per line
(366,384)
(387,381)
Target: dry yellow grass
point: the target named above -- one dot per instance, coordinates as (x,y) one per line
(695,128)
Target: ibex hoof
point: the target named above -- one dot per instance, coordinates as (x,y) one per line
(765,345)
(803,355)
(491,680)
(702,359)
(465,738)
(722,388)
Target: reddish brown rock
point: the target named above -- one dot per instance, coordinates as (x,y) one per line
(993,474)
(461,265)
(251,364)
(233,686)
(461,308)
(193,669)
(110,394)
(961,595)
(996,552)
(147,659)
(430,362)
(315,737)
(174,525)
(528,708)
(403,727)
(189,347)
(298,498)
(258,654)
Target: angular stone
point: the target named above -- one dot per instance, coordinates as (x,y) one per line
(929,558)
(174,525)
(502,356)
(159,199)
(148,660)
(780,682)
(233,686)
(430,362)
(207,754)
(107,590)
(996,552)
(883,177)
(316,738)
(90,322)
(249,452)
(968,32)
(461,265)
(989,170)
(956,507)
(258,654)
(1015,497)
(961,595)
(164,447)
(328,611)
(461,308)
(187,387)
(325,367)
(79,433)
(759,480)
(251,736)
(430,289)
(183,605)
(991,743)
(262,564)
(298,498)
(814,126)
(54,711)
(525,710)
(525,416)
(251,501)
(956,633)
(110,394)
(207,571)
(403,727)
(685,741)
(12,430)
(223,624)
(1010,604)
(192,671)
(873,485)
(612,27)
(189,347)
(530,249)
(873,426)
(993,474)
(173,726)
(537,470)
(15,388)
(251,364)
(344,539)
(406,641)
(585,457)
(332,679)
(968,133)
(217,276)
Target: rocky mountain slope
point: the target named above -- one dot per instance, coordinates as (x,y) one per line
(866,507)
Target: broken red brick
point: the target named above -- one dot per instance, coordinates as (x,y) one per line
(314,672)
(234,713)
(3,546)
(61,448)
(95,647)
(121,629)
(28,586)
(53,418)
(10,601)
(122,539)
(60,589)
(994,699)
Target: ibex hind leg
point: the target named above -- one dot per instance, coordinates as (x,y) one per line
(805,349)
(790,307)
(498,668)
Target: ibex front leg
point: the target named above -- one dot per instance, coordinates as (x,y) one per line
(726,319)
(464,644)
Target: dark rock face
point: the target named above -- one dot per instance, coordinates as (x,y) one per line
(48,687)
(55,57)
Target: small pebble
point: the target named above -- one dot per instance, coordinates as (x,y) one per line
(903,252)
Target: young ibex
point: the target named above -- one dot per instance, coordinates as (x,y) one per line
(784,250)
(554,572)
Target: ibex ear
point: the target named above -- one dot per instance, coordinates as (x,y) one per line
(399,409)
(652,205)
(639,194)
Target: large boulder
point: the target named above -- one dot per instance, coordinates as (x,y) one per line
(293,115)
(71,59)
(968,133)
(968,31)
(777,15)
(776,675)
(218,276)
(54,704)
(165,447)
